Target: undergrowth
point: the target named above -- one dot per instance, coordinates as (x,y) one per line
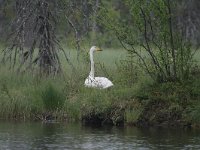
(134,99)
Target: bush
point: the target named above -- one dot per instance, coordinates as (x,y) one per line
(150,35)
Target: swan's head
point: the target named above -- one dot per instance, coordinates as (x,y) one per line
(95,48)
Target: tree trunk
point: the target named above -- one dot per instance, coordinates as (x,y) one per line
(94,24)
(172,41)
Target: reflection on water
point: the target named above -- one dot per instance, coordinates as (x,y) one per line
(19,136)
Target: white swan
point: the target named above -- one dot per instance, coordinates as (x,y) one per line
(96,82)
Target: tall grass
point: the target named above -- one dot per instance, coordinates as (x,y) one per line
(29,96)
(26,95)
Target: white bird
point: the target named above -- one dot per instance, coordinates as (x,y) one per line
(96,82)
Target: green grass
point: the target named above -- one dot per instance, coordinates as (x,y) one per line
(26,95)
(29,96)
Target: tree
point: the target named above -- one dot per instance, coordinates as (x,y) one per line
(81,16)
(33,41)
(148,32)
(188,20)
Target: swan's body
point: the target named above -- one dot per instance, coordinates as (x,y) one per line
(96,82)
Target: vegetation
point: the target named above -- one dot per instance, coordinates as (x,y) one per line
(155,68)
(169,55)
(135,98)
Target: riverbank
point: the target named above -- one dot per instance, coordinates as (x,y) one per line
(133,100)
(27,97)
(167,104)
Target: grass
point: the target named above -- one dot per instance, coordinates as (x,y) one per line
(134,97)
(25,95)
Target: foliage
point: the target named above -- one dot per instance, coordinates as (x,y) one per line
(149,34)
(133,112)
(158,48)
(192,113)
(27,96)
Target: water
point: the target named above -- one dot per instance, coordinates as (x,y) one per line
(40,136)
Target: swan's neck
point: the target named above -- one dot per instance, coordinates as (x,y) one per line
(92,65)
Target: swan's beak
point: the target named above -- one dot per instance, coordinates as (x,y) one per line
(98,49)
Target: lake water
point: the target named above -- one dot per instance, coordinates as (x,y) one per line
(58,136)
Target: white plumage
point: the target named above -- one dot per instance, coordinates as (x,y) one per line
(96,82)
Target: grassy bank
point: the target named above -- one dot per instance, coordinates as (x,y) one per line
(30,96)
(134,99)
